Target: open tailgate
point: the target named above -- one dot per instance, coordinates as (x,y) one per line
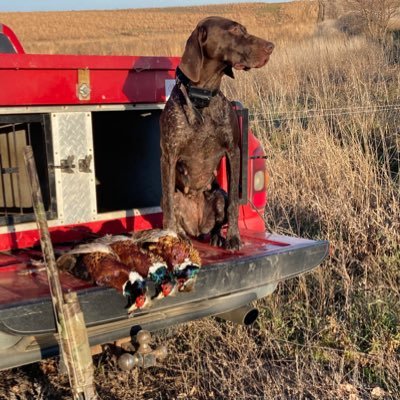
(226,281)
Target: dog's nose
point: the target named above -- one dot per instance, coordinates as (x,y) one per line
(269,46)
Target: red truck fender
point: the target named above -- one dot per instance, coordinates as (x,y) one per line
(9,42)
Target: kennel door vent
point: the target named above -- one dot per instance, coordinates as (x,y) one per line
(16,132)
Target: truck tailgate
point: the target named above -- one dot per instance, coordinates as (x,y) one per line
(245,275)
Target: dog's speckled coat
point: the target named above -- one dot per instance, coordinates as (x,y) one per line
(193,140)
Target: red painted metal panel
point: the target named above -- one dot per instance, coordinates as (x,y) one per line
(52,79)
(67,233)
(59,61)
(248,219)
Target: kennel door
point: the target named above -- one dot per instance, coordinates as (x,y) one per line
(74,167)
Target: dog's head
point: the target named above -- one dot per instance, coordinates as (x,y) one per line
(227,44)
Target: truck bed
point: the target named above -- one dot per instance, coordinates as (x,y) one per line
(226,281)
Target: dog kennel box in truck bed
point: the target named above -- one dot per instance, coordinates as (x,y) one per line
(93,124)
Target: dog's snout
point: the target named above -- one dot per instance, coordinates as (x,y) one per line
(269,47)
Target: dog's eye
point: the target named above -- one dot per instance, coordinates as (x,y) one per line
(237,30)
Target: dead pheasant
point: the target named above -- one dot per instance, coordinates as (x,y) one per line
(97,262)
(147,264)
(182,259)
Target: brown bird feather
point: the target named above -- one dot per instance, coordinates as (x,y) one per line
(134,257)
(167,245)
(145,263)
(98,263)
(106,269)
(182,259)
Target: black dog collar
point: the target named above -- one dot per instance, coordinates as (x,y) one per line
(198,96)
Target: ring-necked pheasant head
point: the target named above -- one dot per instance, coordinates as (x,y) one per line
(135,289)
(182,259)
(185,274)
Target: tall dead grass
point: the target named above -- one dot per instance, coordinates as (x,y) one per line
(327,112)
(149,31)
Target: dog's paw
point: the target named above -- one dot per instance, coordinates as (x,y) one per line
(184,237)
(233,243)
(217,240)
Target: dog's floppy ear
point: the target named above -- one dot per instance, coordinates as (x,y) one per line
(192,58)
(229,72)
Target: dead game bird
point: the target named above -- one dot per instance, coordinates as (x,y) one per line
(97,262)
(147,264)
(182,259)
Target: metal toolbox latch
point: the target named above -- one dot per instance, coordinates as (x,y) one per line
(83,88)
(67,165)
(84,164)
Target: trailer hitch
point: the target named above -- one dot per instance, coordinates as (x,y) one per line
(145,356)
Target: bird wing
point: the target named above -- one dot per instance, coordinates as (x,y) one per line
(107,271)
(151,235)
(93,247)
(68,260)
(110,239)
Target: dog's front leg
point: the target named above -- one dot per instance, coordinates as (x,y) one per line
(233,237)
(168,176)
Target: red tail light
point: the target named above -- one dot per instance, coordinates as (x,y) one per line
(259,178)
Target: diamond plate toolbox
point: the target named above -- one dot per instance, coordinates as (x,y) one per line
(75,186)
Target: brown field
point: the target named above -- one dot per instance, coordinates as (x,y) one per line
(150,31)
(327,111)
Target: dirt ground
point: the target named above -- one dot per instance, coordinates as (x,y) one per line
(43,380)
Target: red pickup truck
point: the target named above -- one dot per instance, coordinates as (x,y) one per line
(93,124)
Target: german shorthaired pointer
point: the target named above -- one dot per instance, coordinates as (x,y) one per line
(199,127)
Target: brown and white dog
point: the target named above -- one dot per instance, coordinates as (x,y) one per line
(199,127)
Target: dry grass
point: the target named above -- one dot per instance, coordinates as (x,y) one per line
(148,32)
(323,108)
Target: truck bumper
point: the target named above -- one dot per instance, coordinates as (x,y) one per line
(227,281)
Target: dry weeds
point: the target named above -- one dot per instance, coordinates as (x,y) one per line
(149,31)
(327,111)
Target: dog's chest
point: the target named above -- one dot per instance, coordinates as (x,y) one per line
(211,130)
(207,141)
(200,156)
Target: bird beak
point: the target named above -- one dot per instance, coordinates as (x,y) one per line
(187,286)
